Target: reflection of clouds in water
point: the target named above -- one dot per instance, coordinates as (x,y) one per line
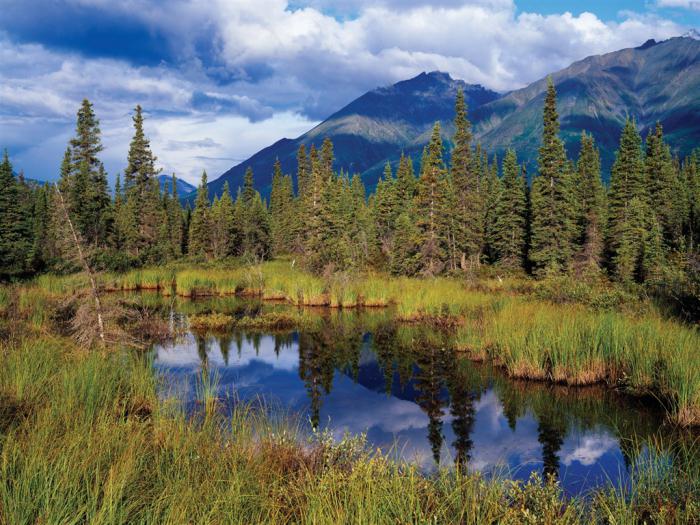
(397,426)
(495,444)
(588,449)
(184,354)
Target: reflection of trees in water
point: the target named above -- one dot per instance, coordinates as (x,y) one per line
(414,353)
(385,348)
(321,352)
(282,341)
(551,429)
(202,350)
(558,408)
(430,379)
(463,388)
(224,341)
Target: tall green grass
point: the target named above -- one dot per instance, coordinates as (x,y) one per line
(554,340)
(86,439)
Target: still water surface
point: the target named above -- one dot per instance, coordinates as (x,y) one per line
(361,373)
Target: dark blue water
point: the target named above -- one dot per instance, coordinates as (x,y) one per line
(418,402)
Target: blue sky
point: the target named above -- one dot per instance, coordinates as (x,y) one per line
(220,79)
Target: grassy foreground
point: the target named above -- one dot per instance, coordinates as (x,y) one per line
(85,439)
(575,334)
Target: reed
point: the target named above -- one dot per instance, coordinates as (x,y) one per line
(84,437)
(552,330)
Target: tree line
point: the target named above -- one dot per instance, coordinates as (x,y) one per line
(454,215)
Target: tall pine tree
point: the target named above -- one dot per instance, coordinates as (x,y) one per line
(553,204)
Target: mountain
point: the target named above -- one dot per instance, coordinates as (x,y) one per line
(183,188)
(658,81)
(369,131)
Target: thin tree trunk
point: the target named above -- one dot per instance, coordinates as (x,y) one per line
(85,265)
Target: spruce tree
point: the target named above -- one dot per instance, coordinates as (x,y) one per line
(385,208)
(627,182)
(15,225)
(633,234)
(39,254)
(510,224)
(691,178)
(492,188)
(223,217)
(405,256)
(255,225)
(282,227)
(469,197)
(405,185)
(592,207)
(142,192)
(199,237)
(430,207)
(88,197)
(553,204)
(174,216)
(664,185)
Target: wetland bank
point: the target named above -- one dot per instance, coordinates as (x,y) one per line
(252,407)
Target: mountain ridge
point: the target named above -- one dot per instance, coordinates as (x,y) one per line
(656,81)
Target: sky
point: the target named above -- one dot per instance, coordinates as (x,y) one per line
(221,79)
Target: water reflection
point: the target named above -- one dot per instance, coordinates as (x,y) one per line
(416,399)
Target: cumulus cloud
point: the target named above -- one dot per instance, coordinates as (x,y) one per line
(263,69)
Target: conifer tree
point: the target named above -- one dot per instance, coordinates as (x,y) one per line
(200,224)
(142,192)
(88,196)
(665,186)
(492,188)
(282,227)
(627,182)
(510,224)
(39,253)
(405,258)
(175,222)
(553,228)
(591,201)
(430,207)
(15,225)
(255,226)
(385,209)
(469,197)
(405,185)
(691,178)
(633,234)
(222,221)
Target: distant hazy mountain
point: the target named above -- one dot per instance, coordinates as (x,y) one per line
(183,188)
(653,82)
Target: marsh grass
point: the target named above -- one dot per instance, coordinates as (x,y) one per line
(559,330)
(86,439)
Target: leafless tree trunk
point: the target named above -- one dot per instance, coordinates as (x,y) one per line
(86,266)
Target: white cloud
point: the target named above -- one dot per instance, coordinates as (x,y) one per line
(279,62)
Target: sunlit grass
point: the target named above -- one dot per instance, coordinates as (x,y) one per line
(532,329)
(84,437)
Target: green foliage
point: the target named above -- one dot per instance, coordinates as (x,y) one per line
(470,199)
(592,212)
(430,206)
(553,206)
(15,223)
(200,224)
(510,221)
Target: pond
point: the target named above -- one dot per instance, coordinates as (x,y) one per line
(361,372)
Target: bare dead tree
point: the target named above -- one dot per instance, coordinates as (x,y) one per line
(82,259)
